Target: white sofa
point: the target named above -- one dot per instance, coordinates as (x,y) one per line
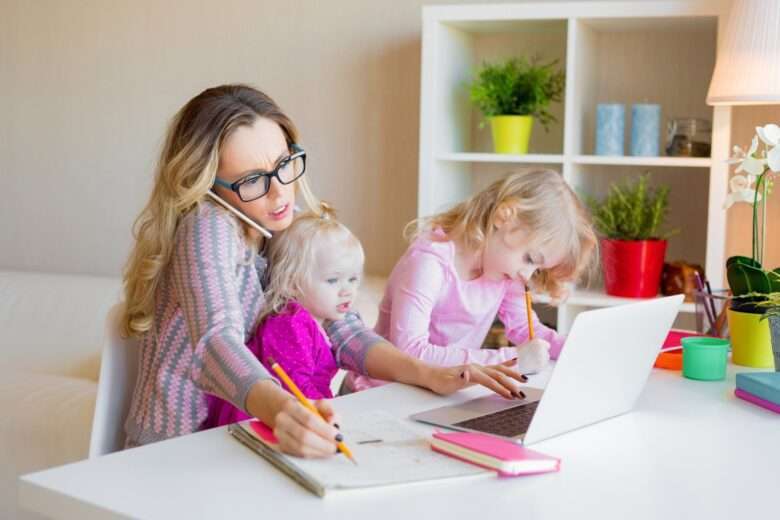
(51,336)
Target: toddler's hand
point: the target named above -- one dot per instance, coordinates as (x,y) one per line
(532,356)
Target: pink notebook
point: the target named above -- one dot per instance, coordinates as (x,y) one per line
(506,457)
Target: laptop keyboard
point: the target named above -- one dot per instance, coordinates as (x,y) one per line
(508,423)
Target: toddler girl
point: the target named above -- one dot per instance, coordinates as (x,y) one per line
(317,265)
(475,261)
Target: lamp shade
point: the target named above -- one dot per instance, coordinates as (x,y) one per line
(747,70)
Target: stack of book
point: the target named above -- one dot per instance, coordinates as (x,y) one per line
(760,388)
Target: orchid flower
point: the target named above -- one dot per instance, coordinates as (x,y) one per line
(741,191)
(751,164)
(770,135)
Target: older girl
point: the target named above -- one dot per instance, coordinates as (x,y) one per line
(476,261)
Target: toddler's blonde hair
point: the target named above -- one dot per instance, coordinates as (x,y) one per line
(539,201)
(292,255)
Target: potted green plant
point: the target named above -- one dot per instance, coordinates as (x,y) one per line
(511,94)
(632,246)
(749,282)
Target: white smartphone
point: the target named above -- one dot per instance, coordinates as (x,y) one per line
(239,214)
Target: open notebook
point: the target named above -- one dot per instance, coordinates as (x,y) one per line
(388,453)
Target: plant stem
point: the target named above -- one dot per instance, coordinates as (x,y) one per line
(763,219)
(755,221)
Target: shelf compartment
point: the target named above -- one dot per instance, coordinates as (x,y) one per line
(461,49)
(501,158)
(678,55)
(612,160)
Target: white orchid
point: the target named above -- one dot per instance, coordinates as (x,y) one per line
(741,191)
(770,135)
(750,163)
(759,167)
(753,165)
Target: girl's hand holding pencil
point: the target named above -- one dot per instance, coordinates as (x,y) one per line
(533,356)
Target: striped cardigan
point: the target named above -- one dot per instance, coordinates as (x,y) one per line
(206,306)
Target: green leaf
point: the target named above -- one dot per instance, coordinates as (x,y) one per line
(744,279)
(774,279)
(743,260)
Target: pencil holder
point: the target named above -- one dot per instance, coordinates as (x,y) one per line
(705,359)
(710,312)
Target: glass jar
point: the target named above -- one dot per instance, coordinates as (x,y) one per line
(688,137)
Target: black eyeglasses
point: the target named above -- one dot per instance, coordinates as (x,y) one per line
(256,184)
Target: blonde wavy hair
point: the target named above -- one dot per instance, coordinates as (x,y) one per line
(539,201)
(185,172)
(292,255)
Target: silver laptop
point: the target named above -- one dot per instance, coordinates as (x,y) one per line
(600,373)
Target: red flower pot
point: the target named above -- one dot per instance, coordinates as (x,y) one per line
(632,268)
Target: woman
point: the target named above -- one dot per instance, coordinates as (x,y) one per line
(193,281)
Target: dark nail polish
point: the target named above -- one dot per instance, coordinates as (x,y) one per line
(337,449)
(336,425)
(519,394)
(339,437)
(523,379)
(463,375)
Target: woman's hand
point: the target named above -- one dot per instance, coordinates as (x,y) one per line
(302,433)
(299,431)
(501,378)
(533,356)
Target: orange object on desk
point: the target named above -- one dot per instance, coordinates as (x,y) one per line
(670,356)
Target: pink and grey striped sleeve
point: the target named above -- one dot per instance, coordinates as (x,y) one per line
(204,279)
(351,340)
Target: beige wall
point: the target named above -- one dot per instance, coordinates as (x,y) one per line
(87,88)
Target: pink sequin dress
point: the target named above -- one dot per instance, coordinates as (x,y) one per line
(295,340)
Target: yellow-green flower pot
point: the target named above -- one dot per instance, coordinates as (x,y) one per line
(751,343)
(511,133)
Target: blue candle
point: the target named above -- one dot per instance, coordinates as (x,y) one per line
(610,123)
(645,129)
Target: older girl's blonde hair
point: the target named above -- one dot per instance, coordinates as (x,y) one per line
(185,172)
(539,201)
(292,255)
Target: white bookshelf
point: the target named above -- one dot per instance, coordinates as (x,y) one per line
(625,52)
(529,158)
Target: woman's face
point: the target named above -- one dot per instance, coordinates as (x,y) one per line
(249,149)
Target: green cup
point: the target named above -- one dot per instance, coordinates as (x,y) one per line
(705,358)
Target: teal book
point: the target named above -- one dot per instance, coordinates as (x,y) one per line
(765,385)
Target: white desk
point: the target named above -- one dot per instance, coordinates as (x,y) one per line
(690,450)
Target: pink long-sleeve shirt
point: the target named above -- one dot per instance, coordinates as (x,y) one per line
(429,312)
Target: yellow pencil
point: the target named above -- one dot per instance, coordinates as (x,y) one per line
(529,312)
(305,402)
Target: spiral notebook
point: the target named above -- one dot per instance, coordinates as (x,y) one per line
(388,452)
